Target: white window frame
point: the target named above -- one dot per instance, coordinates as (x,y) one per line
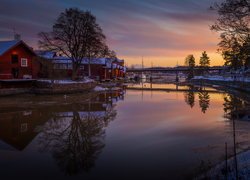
(24,64)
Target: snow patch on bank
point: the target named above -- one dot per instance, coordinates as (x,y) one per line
(222,78)
(85,80)
(218,172)
(98,88)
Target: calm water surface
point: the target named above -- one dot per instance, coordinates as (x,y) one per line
(120,135)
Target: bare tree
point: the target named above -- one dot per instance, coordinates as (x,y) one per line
(75,35)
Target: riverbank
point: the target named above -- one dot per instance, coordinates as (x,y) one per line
(16,87)
(240,84)
(62,86)
(226,169)
(53,87)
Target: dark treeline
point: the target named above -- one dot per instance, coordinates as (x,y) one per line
(233,24)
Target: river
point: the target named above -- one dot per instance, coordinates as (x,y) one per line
(123,134)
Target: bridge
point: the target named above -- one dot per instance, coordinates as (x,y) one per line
(174,69)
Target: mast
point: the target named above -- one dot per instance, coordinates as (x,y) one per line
(142,65)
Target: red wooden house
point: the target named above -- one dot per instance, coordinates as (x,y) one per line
(100,68)
(17,61)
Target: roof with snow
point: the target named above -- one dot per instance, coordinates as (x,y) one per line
(46,54)
(6,45)
(66,60)
(107,62)
(120,60)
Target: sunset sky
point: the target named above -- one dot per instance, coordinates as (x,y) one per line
(164,32)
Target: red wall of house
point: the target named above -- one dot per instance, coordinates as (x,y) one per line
(97,70)
(22,52)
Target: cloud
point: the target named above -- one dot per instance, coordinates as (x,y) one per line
(155,28)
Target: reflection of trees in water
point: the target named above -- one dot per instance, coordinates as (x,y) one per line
(235,107)
(76,138)
(204,101)
(190,98)
(234,166)
(204,98)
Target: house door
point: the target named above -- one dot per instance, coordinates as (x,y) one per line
(15,73)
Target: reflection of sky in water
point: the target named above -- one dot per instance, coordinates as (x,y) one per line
(153,135)
(163,86)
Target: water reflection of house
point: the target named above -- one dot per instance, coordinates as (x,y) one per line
(112,96)
(99,104)
(19,128)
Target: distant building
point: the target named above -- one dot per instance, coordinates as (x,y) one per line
(101,68)
(17,61)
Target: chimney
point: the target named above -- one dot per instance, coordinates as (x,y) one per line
(17,37)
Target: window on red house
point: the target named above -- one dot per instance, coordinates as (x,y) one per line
(14,58)
(24,62)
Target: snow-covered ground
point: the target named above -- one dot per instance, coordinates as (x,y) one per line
(218,172)
(98,88)
(222,78)
(85,80)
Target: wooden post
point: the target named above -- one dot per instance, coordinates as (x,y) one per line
(226,159)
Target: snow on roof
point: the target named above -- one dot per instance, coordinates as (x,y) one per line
(46,54)
(108,62)
(6,45)
(62,61)
(65,60)
(96,61)
(120,60)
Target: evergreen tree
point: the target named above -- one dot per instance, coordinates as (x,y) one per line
(190,62)
(204,62)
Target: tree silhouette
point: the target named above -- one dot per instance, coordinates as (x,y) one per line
(234,28)
(76,35)
(190,62)
(204,62)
